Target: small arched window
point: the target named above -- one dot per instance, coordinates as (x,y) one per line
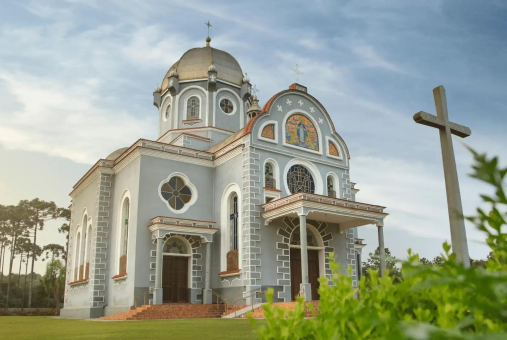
(295,238)
(330,187)
(77,273)
(124,235)
(167,112)
(299,179)
(193,108)
(88,237)
(269,180)
(233,221)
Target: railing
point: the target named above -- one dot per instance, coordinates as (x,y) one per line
(141,295)
(322,199)
(249,295)
(182,221)
(81,269)
(87,270)
(219,296)
(331,193)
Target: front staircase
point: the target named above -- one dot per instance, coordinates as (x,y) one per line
(169,311)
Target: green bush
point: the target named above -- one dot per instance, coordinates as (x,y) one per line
(447,301)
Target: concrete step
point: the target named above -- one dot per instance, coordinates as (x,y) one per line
(170,311)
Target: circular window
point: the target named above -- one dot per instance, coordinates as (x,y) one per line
(299,179)
(176,193)
(227,106)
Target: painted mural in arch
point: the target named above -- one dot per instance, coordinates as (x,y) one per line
(300,131)
(269,131)
(333,150)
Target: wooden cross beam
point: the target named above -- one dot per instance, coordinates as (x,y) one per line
(447,129)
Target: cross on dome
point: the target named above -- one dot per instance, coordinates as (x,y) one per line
(208,39)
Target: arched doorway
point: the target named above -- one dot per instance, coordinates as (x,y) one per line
(175,271)
(315,258)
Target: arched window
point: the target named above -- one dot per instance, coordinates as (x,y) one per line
(77,252)
(233,221)
(124,235)
(175,245)
(299,179)
(330,187)
(167,112)
(193,108)
(88,250)
(269,180)
(295,238)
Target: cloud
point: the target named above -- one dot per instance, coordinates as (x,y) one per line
(372,59)
(62,120)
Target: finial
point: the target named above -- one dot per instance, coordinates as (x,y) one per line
(245,78)
(208,39)
(297,71)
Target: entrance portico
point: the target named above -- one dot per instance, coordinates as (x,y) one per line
(296,210)
(176,268)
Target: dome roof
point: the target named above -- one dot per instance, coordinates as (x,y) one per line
(116,154)
(195,63)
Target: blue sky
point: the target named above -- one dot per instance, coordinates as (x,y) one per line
(77,76)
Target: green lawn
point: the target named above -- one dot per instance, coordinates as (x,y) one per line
(41,327)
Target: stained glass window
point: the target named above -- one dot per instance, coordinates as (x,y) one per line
(226,105)
(299,179)
(176,193)
(295,238)
(233,221)
(193,108)
(175,246)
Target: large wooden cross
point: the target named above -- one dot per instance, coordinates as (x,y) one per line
(447,129)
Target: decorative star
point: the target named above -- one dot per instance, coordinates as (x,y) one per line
(321,121)
(171,82)
(289,102)
(312,109)
(279,108)
(300,102)
(249,89)
(212,78)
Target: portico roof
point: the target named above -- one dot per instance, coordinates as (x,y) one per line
(347,214)
(160,226)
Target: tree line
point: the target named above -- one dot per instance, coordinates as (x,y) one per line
(19,226)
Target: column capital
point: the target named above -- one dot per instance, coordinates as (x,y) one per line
(302,211)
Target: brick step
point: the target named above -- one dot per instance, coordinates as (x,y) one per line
(172,311)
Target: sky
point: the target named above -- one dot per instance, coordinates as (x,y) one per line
(77,77)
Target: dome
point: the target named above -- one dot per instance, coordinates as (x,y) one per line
(196,62)
(116,154)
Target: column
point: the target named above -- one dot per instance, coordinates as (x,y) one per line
(382,250)
(305,288)
(206,294)
(158,291)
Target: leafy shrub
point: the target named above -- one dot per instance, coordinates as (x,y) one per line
(447,301)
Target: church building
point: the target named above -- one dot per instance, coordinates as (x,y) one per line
(230,200)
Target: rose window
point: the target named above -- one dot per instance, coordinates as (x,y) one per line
(176,193)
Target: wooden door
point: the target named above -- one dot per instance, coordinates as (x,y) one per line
(296,276)
(175,279)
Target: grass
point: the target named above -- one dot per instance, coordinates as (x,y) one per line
(42,327)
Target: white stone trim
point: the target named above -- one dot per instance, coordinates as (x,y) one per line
(317,177)
(315,124)
(193,189)
(275,129)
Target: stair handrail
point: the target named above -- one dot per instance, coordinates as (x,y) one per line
(139,295)
(219,296)
(251,294)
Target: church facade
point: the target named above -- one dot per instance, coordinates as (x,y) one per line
(230,200)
